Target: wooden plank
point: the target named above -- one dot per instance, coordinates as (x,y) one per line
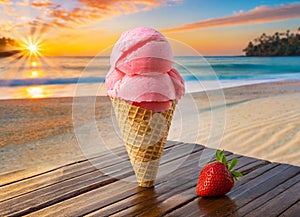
(254,174)
(84,203)
(16,178)
(201,206)
(253,166)
(95,199)
(168,202)
(279,203)
(98,196)
(294,210)
(64,173)
(176,182)
(65,189)
(264,199)
(44,180)
(183,210)
(50,178)
(67,167)
(80,192)
(152,202)
(75,186)
(55,193)
(185,184)
(195,207)
(120,151)
(254,189)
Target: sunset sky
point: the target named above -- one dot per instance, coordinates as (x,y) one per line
(86,27)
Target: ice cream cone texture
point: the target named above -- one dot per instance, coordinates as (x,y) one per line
(144,134)
(144,89)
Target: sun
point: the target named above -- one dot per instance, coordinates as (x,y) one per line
(31,47)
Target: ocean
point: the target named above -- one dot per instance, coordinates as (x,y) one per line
(82,76)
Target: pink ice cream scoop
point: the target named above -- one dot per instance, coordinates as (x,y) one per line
(141,71)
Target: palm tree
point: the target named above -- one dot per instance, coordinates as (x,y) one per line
(274,45)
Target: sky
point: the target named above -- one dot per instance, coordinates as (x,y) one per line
(87,27)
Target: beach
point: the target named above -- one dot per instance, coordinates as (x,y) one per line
(261,120)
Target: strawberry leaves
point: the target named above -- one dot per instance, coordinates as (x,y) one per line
(236,175)
(220,157)
(232,163)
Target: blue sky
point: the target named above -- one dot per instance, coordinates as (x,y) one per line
(188,11)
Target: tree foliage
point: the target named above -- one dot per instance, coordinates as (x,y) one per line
(5,42)
(279,44)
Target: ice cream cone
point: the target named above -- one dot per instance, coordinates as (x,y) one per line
(144,134)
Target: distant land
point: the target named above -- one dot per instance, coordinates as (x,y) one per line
(279,44)
(8,53)
(6,45)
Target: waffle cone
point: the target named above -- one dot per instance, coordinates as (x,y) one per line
(144,135)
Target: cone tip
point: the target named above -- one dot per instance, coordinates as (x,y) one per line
(148,184)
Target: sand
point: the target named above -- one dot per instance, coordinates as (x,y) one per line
(261,121)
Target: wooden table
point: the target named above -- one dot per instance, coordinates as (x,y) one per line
(81,189)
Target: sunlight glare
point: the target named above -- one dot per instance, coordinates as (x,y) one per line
(36,92)
(34,74)
(31,47)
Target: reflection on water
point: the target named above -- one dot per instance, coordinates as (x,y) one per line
(34,74)
(52,91)
(36,92)
(33,64)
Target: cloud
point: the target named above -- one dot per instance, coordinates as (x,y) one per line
(99,9)
(5,2)
(127,4)
(49,15)
(8,10)
(75,16)
(41,3)
(256,16)
(89,11)
(39,27)
(23,3)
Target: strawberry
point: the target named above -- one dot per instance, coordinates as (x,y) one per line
(217,178)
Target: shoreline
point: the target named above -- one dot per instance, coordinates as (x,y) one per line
(262,121)
(51,91)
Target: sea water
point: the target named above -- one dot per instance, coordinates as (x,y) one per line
(62,76)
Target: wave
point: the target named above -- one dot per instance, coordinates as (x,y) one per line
(64,67)
(238,67)
(49,81)
(230,77)
(187,78)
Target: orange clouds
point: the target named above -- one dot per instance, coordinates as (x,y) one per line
(52,19)
(51,15)
(127,6)
(255,16)
(98,9)
(41,3)
(5,2)
(88,11)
